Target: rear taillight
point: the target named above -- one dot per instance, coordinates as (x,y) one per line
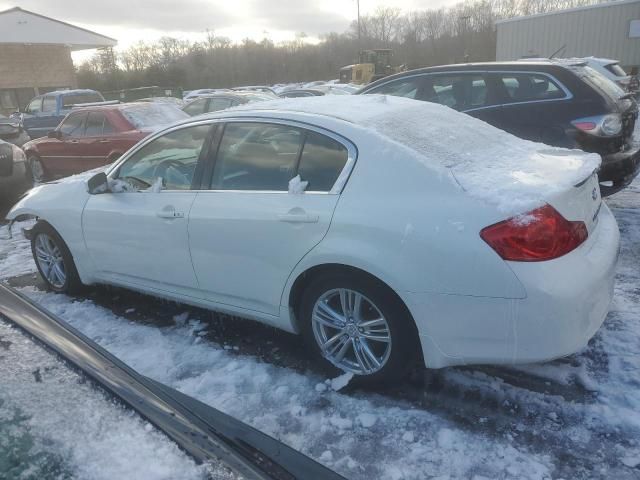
(600,125)
(542,234)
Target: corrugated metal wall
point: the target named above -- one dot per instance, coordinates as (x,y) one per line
(601,32)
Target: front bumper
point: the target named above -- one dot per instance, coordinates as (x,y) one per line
(567,301)
(620,168)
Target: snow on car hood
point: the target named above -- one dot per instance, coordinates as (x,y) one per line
(488,163)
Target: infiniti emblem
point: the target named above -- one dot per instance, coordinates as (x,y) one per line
(594,194)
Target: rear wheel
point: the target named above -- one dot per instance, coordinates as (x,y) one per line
(54,260)
(359,326)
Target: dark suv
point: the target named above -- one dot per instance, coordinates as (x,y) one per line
(564,104)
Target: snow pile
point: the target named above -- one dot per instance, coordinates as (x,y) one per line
(488,163)
(361,436)
(60,426)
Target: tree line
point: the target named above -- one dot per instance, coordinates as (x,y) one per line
(463,32)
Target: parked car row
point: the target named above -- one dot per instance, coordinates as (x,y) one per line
(382,229)
(560,103)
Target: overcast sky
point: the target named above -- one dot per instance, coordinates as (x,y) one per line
(129,21)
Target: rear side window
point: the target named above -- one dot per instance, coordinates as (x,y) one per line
(257,156)
(95,123)
(407,87)
(460,92)
(526,87)
(321,162)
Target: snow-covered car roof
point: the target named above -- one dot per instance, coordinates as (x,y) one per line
(488,162)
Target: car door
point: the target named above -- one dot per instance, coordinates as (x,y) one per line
(96,145)
(534,107)
(246,230)
(62,156)
(138,237)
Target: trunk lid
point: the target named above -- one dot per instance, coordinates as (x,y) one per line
(582,202)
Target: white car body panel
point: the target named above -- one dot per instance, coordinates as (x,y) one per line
(233,253)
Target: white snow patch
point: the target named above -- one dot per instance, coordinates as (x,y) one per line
(84,431)
(367,420)
(156,186)
(341,381)
(297,185)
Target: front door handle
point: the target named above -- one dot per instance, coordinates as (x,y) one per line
(104,140)
(298,218)
(170,213)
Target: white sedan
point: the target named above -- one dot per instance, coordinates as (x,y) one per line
(382,229)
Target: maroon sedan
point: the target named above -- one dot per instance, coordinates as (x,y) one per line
(91,137)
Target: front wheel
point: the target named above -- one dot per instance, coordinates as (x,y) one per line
(359,326)
(54,260)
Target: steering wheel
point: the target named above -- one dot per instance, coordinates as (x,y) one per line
(161,169)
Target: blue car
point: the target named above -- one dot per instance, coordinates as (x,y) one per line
(45,112)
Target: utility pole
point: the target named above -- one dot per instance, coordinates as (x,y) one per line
(359,33)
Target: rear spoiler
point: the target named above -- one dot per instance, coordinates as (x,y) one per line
(206,434)
(94,104)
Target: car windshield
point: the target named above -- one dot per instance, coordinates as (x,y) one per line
(149,116)
(79,98)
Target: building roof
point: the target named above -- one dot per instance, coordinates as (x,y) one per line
(18,26)
(603,4)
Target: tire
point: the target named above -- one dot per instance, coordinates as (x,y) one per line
(37,173)
(47,246)
(395,358)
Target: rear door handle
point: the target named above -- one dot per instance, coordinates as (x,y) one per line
(298,218)
(104,140)
(170,213)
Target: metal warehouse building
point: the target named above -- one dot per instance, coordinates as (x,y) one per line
(607,30)
(35,55)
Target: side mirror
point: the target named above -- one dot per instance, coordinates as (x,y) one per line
(54,134)
(98,184)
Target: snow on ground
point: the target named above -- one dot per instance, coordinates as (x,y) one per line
(54,424)
(574,418)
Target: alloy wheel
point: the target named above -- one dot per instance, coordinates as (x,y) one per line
(351,331)
(50,260)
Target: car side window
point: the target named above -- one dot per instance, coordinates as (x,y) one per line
(460,92)
(107,127)
(407,87)
(216,104)
(95,123)
(322,161)
(257,156)
(526,87)
(173,157)
(196,107)
(49,103)
(73,125)
(35,106)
